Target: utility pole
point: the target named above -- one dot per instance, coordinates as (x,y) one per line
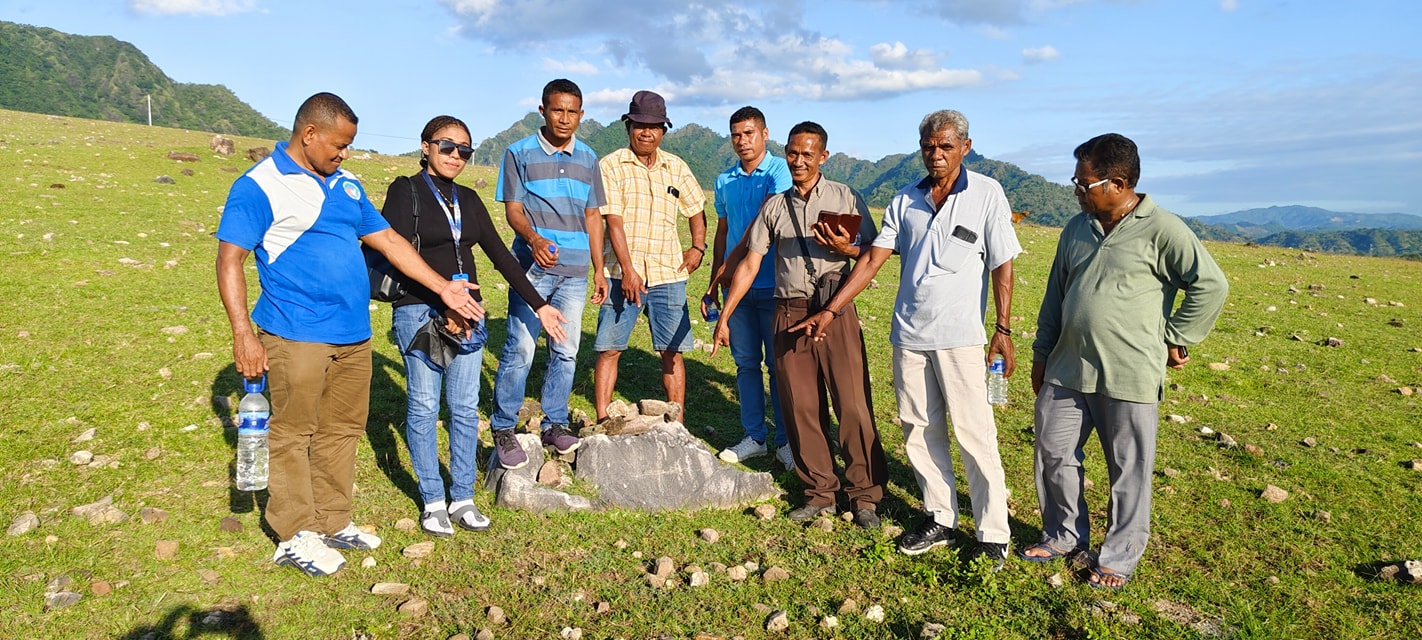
(149,97)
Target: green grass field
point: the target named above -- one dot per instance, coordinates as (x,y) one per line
(109,319)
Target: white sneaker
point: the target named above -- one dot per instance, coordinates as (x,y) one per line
(352,537)
(785,457)
(743,450)
(307,552)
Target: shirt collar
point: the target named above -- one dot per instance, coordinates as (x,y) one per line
(959,185)
(287,165)
(628,156)
(759,166)
(548,147)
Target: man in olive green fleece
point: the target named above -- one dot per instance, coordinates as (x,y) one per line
(1105,333)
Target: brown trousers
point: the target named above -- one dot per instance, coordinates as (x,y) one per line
(812,374)
(320,401)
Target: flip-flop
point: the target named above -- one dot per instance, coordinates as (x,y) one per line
(1053,553)
(441,518)
(480,521)
(1104,573)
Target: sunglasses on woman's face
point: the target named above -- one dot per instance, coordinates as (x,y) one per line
(447,147)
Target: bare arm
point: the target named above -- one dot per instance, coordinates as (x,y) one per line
(859,278)
(593,219)
(248,354)
(631,281)
(518,221)
(691,258)
(740,283)
(1001,343)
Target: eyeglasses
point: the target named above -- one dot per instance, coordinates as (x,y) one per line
(447,147)
(1083,188)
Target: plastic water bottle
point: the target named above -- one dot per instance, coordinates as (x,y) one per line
(252,412)
(997,381)
(713,309)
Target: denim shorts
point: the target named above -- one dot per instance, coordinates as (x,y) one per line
(665,306)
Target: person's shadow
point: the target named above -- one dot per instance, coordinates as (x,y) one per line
(200,623)
(228,383)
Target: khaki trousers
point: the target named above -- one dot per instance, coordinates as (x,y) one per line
(810,376)
(320,401)
(932,387)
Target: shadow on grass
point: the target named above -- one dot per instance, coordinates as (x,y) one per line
(187,621)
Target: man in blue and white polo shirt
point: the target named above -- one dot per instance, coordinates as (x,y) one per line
(305,219)
(552,193)
(951,230)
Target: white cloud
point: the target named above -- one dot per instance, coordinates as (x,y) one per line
(761,51)
(1045,53)
(191,7)
(575,67)
(1229,5)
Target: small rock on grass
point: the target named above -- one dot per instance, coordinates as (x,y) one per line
(209,576)
(765,512)
(496,615)
(484,634)
(1056,581)
(24,524)
(931,630)
(1274,494)
(230,524)
(1253,450)
(826,523)
(418,550)
(664,567)
(1323,516)
(571,633)
(165,549)
(874,613)
(699,579)
(777,621)
(736,573)
(848,606)
(1415,465)
(709,535)
(774,574)
(1310,441)
(86,436)
(829,622)
(152,515)
(414,607)
(81,457)
(390,588)
(405,524)
(100,588)
(368,563)
(61,599)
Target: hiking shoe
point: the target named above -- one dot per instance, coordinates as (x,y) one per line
(866,518)
(352,537)
(928,535)
(784,455)
(994,551)
(810,512)
(307,552)
(562,440)
(743,450)
(510,452)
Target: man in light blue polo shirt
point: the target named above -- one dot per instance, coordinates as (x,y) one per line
(305,219)
(740,190)
(951,230)
(552,192)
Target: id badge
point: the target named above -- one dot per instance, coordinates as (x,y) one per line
(460,277)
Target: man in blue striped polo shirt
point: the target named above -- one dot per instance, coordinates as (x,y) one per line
(552,192)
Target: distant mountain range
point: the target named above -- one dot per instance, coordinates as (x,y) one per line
(1260,223)
(99,77)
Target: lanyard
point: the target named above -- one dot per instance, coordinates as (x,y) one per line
(455,219)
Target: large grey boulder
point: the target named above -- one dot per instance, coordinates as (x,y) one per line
(519,488)
(666,468)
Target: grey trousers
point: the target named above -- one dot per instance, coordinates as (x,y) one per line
(1127,431)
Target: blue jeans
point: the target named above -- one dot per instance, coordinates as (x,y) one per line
(422,389)
(752,330)
(568,295)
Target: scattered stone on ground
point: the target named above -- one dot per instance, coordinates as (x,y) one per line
(848,606)
(824,523)
(1310,441)
(406,524)
(496,615)
(1415,464)
(716,567)
(1224,502)
(1056,581)
(222,145)
(664,567)
(1177,418)
(61,582)
(226,553)
(61,599)
(230,524)
(418,550)
(100,512)
(875,613)
(602,606)
(414,607)
(1206,431)
(165,549)
(1272,579)
(484,634)
(765,511)
(1274,494)
(81,457)
(165,179)
(777,621)
(698,579)
(209,576)
(1185,615)
(1331,341)
(1170,473)
(1254,450)
(774,574)
(550,474)
(620,544)
(1408,572)
(100,588)
(736,573)
(1323,516)
(368,563)
(1219,366)
(390,588)
(829,622)
(709,535)
(931,630)
(1406,391)
(86,436)
(25,523)
(151,515)
(571,633)
(256,154)
(1227,440)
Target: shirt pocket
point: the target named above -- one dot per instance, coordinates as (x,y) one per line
(949,255)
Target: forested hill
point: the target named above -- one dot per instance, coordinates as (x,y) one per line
(99,77)
(708,153)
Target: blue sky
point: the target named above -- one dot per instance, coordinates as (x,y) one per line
(1234,103)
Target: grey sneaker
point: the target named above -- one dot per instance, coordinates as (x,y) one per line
(562,440)
(744,450)
(352,537)
(307,552)
(810,512)
(995,552)
(511,455)
(786,457)
(927,536)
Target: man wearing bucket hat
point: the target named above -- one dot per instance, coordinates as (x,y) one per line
(647,191)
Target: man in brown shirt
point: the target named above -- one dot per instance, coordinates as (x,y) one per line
(805,250)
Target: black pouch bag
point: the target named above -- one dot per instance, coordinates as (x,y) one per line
(387,284)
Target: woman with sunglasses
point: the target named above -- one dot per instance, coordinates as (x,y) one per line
(447,220)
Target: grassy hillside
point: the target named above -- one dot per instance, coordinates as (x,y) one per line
(47,71)
(109,320)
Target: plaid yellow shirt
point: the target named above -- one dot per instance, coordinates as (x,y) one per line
(649,201)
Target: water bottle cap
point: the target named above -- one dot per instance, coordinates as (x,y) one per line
(255,386)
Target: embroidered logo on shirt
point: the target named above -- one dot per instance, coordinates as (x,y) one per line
(352,190)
